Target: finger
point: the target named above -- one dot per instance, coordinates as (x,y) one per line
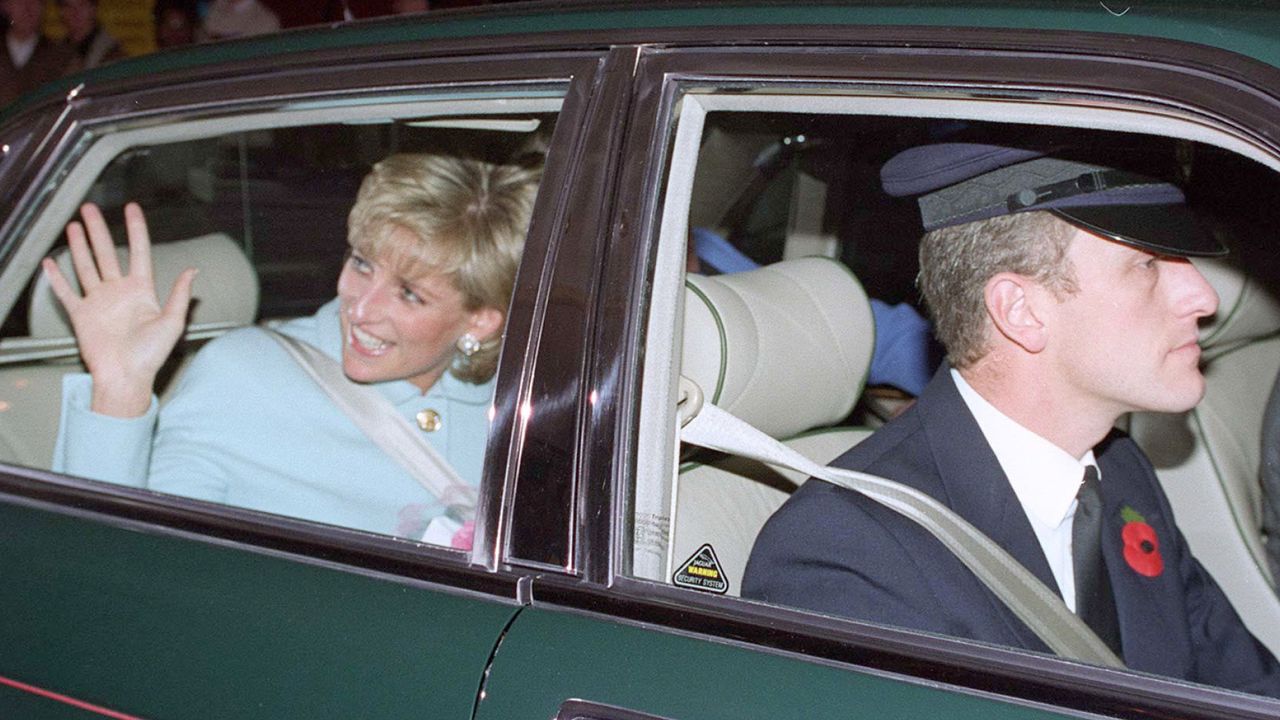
(104,251)
(59,285)
(81,259)
(175,308)
(139,241)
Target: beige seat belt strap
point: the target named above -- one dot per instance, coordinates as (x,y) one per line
(379,420)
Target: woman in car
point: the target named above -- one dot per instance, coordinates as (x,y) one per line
(421,305)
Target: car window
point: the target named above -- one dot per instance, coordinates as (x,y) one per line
(759,180)
(259,204)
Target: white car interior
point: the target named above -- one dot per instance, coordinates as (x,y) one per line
(743,348)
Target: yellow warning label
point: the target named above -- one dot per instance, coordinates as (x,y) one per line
(702,572)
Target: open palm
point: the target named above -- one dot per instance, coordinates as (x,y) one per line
(124,333)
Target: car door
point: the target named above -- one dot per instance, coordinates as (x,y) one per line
(610,634)
(132,603)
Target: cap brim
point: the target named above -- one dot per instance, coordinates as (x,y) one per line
(1164,229)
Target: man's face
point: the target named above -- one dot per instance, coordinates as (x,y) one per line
(1128,338)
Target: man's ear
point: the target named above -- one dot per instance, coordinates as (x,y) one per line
(486,322)
(1011,305)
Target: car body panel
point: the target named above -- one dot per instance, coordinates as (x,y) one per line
(1241,27)
(247,633)
(595,659)
(1236,21)
(35,703)
(185,628)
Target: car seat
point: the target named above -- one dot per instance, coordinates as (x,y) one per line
(1208,459)
(785,348)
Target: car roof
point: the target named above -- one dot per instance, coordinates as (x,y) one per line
(1246,27)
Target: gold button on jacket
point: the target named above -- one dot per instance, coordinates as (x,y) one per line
(429,420)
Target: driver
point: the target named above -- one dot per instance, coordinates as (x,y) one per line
(1063,295)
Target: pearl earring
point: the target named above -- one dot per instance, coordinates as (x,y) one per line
(468,344)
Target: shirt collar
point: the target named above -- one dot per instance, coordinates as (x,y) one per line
(1045,477)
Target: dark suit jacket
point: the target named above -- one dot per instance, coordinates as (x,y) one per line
(831,550)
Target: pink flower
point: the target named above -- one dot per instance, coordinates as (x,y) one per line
(465,536)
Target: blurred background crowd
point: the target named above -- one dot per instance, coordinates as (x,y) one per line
(45,39)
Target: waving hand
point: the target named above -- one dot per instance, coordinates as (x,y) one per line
(124,333)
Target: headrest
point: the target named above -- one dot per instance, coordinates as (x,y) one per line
(226,291)
(1246,309)
(785,347)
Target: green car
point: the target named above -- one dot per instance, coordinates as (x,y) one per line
(604,578)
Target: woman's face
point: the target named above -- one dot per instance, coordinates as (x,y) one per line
(403,328)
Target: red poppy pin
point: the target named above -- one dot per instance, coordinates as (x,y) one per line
(1141,545)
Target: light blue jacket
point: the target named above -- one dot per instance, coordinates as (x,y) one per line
(247,427)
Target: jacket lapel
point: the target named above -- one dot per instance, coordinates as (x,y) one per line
(1149,606)
(975,486)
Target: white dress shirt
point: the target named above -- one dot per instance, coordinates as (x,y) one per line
(1045,478)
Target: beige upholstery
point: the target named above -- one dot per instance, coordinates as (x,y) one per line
(30,393)
(786,348)
(1208,459)
(225,291)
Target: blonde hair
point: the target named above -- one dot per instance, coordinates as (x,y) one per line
(956,263)
(470,217)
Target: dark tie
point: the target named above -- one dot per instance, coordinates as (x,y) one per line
(1095,603)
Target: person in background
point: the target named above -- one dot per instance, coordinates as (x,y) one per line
(176,22)
(90,43)
(405,7)
(237,18)
(30,59)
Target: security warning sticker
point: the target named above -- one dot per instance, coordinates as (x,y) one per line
(702,572)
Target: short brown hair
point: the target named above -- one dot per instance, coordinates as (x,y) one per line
(956,262)
(471,217)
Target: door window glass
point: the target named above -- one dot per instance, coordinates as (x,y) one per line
(759,184)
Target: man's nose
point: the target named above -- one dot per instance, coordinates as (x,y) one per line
(1198,296)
